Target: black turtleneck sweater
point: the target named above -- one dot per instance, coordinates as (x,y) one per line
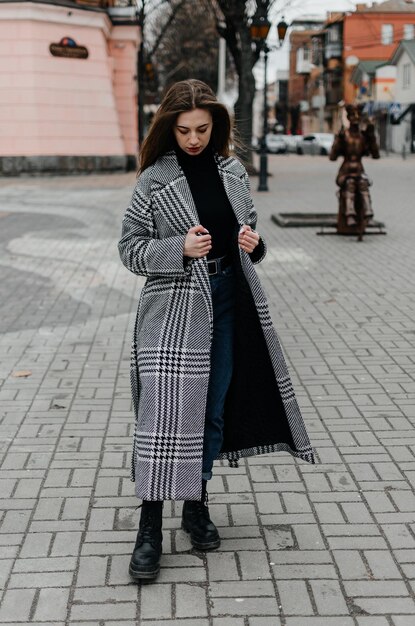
(212,204)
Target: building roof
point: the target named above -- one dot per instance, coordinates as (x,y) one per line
(365,67)
(407,45)
(391,6)
(308,19)
(370,67)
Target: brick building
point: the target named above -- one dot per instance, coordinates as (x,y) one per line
(373,34)
(304,76)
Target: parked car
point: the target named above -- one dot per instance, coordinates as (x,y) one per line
(291,142)
(275,144)
(316,143)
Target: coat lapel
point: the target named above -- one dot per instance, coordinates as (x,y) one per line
(174,199)
(231,172)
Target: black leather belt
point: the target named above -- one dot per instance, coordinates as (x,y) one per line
(216,266)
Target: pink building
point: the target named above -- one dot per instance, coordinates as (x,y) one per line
(68,93)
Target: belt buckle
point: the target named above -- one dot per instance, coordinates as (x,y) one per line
(215,271)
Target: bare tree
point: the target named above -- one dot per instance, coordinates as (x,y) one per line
(233,18)
(232,23)
(194,53)
(190,48)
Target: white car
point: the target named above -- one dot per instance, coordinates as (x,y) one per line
(275,144)
(291,142)
(315,143)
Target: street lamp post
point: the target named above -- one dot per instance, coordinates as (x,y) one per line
(263,155)
(259,28)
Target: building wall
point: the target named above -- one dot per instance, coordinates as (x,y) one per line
(362,38)
(384,84)
(401,135)
(65,106)
(405,96)
(123,51)
(297,82)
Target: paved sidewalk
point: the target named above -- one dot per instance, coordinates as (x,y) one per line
(325,545)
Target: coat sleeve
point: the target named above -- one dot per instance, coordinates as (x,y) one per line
(141,250)
(260,251)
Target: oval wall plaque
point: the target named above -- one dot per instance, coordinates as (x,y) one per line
(67,47)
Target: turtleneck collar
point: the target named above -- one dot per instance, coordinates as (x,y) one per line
(195,161)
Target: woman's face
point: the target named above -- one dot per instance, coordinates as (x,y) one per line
(192,130)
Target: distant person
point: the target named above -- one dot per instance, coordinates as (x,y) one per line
(209,380)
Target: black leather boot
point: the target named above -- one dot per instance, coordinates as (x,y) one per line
(196,521)
(145,560)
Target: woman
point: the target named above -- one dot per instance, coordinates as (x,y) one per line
(209,380)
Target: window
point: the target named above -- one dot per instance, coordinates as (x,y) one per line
(408,31)
(333,34)
(306,53)
(406,76)
(387,34)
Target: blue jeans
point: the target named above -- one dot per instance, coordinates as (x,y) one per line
(221,365)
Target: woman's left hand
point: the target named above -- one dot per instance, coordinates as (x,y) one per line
(248,239)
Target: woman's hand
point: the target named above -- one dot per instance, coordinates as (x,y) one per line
(248,239)
(196,245)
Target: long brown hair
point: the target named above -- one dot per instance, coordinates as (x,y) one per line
(185,95)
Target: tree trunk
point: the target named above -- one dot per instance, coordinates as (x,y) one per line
(238,38)
(244,103)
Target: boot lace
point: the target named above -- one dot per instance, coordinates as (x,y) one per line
(200,510)
(147,531)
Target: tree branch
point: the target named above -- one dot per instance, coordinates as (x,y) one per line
(166,26)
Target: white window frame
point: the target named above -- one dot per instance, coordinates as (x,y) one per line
(408,31)
(406,76)
(387,34)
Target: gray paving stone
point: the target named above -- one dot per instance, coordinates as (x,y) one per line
(382,564)
(36,545)
(175,622)
(319,621)
(372,621)
(244,606)
(241,589)
(389,605)
(294,598)
(263,621)
(66,544)
(222,566)
(156,602)
(254,565)
(117,610)
(190,601)
(351,564)
(228,621)
(16,605)
(52,605)
(41,580)
(105,594)
(402,620)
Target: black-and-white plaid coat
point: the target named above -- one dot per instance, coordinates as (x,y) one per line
(170,359)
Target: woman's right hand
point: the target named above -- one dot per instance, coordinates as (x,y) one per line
(196,245)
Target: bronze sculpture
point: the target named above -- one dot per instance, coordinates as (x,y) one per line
(353,143)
